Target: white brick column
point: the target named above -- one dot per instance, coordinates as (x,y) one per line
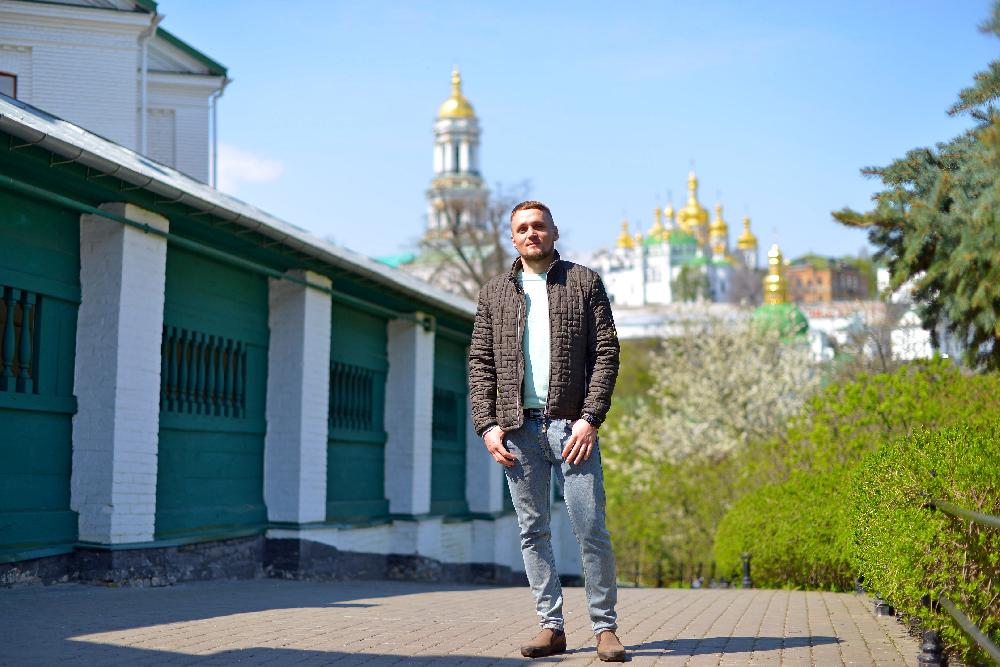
(117,376)
(409,402)
(298,390)
(484,478)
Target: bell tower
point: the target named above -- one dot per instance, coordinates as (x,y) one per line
(457,196)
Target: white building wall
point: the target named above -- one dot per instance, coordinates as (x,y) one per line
(409,399)
(83,63)
(188,97)
(298,384)
(161,135)
(117,376)
(484,478)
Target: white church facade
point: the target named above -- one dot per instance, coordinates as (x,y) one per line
(683,257)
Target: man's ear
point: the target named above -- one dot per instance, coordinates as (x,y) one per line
(555,237)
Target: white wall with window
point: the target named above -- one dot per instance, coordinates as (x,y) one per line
(116,72)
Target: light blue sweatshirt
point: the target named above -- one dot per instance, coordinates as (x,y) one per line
(535,343)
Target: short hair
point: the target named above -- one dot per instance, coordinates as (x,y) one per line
(531,203)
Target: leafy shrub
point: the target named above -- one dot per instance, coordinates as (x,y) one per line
(906,550)
(848,419)
(796,532)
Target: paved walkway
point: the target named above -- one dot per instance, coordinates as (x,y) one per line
(380,623)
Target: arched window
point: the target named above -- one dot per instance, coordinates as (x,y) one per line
(8,84)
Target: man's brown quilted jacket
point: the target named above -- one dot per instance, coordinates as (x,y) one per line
(583,355)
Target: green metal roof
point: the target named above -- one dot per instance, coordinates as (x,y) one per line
(214,67)
(785,317)
(397,260)
(148,5)
(677,237)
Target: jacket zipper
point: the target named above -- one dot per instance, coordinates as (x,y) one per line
(520,353)
(548,303)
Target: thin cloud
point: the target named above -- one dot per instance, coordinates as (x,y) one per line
(238,166)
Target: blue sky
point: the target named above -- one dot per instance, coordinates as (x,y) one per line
(601,106)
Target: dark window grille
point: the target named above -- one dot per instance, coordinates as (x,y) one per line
(18,340)
(446,424)
(202,374)
(352,397)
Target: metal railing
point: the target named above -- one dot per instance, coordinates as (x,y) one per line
(963,621)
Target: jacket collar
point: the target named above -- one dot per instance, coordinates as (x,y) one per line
(518,265)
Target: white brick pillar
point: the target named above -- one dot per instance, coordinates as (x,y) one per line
(117,376)
(484,478)
(409,402)
(298,390)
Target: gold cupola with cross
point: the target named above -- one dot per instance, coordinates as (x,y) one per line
(693,218)
(456,106)
(775,289)
(658,233)
(625,240)
(746,245)
(718,234)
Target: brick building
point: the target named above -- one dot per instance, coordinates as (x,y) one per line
(824,280)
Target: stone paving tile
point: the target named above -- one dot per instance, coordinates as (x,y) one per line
(377,624)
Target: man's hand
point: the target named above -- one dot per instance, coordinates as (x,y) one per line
(580,443)
(494,442)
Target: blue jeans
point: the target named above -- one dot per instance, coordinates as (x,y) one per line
(538,447)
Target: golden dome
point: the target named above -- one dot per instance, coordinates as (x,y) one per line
(746,241)
(658,231)
(668,213)
(693,217)
(456,106)
(718,226)
(638,238)
(624,239)
(775,290)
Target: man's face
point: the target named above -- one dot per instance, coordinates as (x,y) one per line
(533,233)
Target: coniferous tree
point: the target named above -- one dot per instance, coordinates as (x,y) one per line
(937,222)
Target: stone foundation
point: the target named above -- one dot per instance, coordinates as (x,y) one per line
(249,558)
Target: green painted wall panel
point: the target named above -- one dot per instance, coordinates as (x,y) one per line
(355,476)
(449,428)
(39,252)
(206,295)
(211,468)
(40,240)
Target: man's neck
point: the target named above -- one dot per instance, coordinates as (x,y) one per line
(537,266)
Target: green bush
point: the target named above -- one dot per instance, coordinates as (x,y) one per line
(906,550)
(848,419)
(796,532)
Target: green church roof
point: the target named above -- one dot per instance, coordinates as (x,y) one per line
(397,260)
(785,317)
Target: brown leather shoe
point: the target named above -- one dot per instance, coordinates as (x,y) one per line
(547,642)
(609,649)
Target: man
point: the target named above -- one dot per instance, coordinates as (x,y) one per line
(542,367)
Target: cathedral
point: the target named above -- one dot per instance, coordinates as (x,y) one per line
(683,257)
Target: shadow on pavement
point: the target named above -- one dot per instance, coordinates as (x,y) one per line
(44,625)
(729,645)
(110,655)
